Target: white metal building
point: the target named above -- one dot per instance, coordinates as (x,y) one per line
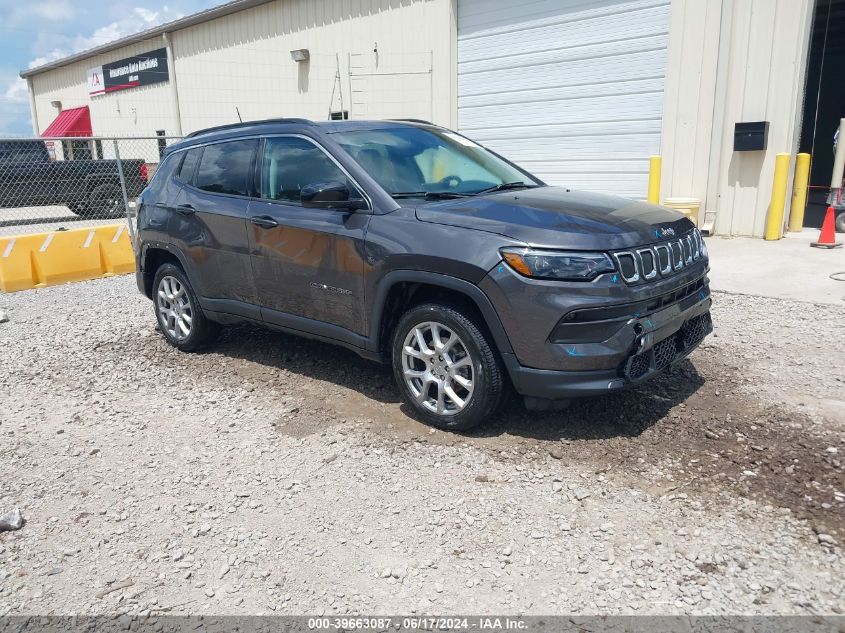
(581,92)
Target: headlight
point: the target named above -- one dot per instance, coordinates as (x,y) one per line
(560,265)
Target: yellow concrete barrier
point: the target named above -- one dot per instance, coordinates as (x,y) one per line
(47,259)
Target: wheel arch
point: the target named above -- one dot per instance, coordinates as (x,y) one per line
(402,289)
(152,257)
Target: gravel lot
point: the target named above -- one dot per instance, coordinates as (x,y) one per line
(273,474)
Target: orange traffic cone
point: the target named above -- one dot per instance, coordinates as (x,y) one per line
(827,238)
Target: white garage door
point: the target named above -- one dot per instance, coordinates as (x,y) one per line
(572,90)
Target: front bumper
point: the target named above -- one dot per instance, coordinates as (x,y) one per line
(652,353)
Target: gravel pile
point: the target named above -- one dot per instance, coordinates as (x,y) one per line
(276,475)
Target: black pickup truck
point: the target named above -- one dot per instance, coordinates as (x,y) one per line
(89,188)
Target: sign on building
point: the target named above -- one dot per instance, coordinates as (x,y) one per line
(140,70)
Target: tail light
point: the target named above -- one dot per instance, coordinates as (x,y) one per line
(144,172)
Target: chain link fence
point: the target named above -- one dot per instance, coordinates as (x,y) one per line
(49,184)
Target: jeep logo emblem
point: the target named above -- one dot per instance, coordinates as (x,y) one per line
(667,232)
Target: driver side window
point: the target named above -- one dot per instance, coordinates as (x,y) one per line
(291,163)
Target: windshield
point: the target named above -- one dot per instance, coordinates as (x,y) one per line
(414,162)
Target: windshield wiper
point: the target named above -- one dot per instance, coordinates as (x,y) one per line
(429,195)
(505,186)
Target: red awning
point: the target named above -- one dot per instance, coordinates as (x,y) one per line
(72,122)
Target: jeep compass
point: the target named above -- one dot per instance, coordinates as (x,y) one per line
(413,245)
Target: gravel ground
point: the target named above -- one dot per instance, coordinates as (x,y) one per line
(276,475)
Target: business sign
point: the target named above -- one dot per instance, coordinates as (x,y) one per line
(141,70)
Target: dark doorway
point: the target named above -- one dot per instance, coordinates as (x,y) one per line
(824,102)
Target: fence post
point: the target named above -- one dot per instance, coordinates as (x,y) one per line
(123,191)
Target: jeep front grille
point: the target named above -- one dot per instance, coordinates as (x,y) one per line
(660,260)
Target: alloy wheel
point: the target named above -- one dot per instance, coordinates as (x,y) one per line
(437,368)
(175,311)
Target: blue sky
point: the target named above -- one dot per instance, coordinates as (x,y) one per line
(33,32)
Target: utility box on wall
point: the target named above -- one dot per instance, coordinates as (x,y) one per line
(751,137)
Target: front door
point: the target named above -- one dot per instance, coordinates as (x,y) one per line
(208,224)
(308,263)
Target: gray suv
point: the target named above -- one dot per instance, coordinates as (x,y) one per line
(413,245)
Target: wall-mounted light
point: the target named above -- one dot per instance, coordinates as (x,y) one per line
(300,55)
(57,105)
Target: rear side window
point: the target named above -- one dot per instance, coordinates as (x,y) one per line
(189,165)
(225,167)
(163,173)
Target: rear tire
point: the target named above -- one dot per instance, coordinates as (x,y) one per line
(447,370)
(179,315)
(104,202)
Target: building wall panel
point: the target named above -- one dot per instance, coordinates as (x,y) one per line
(400,53)
(732,61)
(690,96)
(137,111)
(572,90)
(240,64)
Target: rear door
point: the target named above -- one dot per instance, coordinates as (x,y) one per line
(308,262)
(208,224)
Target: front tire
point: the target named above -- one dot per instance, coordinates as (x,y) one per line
(446,369)
(179,315)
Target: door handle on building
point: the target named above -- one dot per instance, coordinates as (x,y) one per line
(264,221)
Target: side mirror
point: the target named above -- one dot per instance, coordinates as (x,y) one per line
(328,195)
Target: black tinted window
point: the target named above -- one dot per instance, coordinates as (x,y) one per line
(291,163)
(166,169)
(225,167)
(23,152)
(189,165)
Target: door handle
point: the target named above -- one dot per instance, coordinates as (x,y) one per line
(264,221)
(185,209)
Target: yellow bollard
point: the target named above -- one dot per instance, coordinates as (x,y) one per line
(654,168)
(799,192)
(774,220)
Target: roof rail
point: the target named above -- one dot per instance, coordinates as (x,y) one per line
(415,121)
(230,126)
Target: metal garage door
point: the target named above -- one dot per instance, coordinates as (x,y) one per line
(572,90)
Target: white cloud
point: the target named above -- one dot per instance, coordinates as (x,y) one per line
(57,10)
(14,104)
(138,19)
(50,11)
(13,90)
(52,56)
(16,91)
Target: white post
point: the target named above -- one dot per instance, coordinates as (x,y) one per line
(174,89)
(33,110)
(839,159)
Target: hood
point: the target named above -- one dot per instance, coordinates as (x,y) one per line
(555,217)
